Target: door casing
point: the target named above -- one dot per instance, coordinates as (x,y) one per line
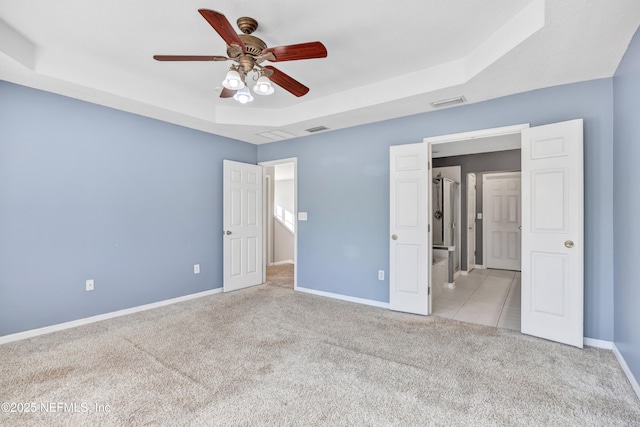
(266,241)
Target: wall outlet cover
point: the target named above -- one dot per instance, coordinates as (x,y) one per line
(89,285)
(196,269)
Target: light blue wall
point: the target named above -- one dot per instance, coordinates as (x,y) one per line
(88,192)
(91,192)
(626,205)
(343,184)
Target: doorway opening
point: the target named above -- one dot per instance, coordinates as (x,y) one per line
(552,276)
(280,207)
(486,285)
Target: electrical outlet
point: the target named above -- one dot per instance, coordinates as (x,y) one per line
(380,274)
(196,268)
(89,285)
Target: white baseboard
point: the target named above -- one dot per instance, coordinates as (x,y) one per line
(464,272)
(286,261)
(344,297)
(627,371)
(74,323)
(592,342)
(480,267)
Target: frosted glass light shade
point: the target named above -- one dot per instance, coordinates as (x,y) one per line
(263,86)
(243,96)
(233,81)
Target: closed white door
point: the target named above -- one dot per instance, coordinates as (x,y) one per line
(471,221)
(242,222)
(409,240)
(501,205)
(552,232)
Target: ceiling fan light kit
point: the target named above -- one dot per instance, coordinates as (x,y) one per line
(249,52)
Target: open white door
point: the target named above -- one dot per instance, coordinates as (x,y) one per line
(410,250)
(552,232)
(471,221)
(242,222)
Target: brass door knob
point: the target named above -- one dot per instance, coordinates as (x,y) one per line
(568,243)
(394,237)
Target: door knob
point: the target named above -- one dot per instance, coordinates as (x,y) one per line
(228,232)
(394,237)
(568,243)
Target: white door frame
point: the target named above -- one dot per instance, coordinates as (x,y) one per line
(470,228)
(266,164)
(463,136)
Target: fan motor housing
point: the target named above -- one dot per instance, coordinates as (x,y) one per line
(255,46)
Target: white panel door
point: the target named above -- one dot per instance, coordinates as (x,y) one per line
(471,221)
(552,232)
(410,252)
(501,205)
(242,222)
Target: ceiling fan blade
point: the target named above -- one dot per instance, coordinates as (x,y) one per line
(189,58)
(227,93)
(297,51)
(287,83)
(221,24)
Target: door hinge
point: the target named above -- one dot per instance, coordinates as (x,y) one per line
(429,291)
(429,165)
(428,228)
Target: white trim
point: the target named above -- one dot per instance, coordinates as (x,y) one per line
(344,297)
(506,130)
(286,261)
(592,342)
(627,371)
(87,320)
(464,272)
(481,266)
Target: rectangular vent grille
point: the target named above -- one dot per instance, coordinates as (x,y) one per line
(448,101)
(276,135)
(316,129)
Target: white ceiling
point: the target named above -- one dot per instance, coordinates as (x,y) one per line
(385,59)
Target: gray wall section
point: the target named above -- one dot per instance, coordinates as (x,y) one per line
(88,192)
(343,184)
(498,161)
(626,203)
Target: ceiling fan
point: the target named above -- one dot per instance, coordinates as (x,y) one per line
(249,52)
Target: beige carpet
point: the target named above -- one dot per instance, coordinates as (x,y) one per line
(273,356)
(280,275)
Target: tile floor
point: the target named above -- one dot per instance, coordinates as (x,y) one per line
(486,297)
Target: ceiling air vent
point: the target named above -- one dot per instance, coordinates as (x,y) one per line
(448,101)
(317,129)
(276,135)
